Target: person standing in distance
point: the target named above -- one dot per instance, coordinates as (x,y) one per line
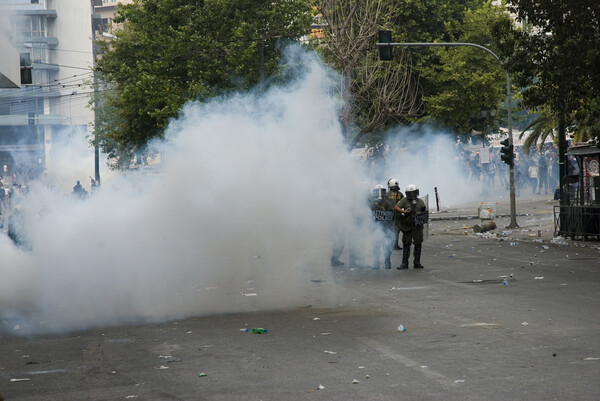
(383,215)
(414,216)
(395,195)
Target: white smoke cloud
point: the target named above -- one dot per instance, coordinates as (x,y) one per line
(251,189)
(427,158)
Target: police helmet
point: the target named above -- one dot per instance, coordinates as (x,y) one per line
(393,184)
(412,192)
(379,192)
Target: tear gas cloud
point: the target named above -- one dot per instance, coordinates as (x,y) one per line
(251,188)
(425,157)
(238,219)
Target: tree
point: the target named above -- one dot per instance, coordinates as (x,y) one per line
(439,86)
(456,81)
(167,52)
(384,94)
(373,92)
(555,57)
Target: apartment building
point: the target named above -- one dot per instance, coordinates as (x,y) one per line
(57,37)
(105,11)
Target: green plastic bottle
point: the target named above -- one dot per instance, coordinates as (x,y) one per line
(259,330)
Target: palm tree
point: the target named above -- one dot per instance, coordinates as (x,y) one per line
(544,126)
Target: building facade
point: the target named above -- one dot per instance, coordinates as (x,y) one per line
(57,37)
(105,11)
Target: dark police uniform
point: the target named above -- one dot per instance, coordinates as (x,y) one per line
(383,214)
(395,197)
(411,225)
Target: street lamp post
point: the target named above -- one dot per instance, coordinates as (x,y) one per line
(513,212)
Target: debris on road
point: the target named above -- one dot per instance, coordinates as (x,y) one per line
(401,328)
(169,358)
(487,226)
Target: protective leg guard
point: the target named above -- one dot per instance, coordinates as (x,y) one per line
(405,256)
(417,255)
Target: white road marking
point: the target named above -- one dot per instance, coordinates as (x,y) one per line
(409,363)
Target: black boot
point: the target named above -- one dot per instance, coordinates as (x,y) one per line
(388,263)
(405,256)
(417,254)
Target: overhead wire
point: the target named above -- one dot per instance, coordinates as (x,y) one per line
(63,98)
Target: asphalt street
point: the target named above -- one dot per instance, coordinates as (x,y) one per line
(511,314)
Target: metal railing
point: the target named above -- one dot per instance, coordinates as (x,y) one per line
(577,222)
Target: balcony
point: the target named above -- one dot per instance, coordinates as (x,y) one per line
(31,12)
(49,40)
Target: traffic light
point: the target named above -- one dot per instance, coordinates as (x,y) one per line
(385,52)
(26,69)
(506,151)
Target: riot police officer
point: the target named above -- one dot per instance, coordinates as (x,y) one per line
(414,216)
(383,214)
(395,195)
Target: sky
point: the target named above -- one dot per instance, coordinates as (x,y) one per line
(239,218)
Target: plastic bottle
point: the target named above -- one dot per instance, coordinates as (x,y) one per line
(246,330)
(259,330)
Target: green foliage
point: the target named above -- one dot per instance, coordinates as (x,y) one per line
(457,81)
(167,52)
(451,83)
(543,127)
(555,57)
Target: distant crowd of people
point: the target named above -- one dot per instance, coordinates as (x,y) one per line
(536,171)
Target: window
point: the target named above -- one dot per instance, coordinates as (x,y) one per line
(22,26)
(38,26)
(39,52)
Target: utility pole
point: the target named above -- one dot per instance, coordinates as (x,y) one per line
(95,55)
(513,212)
(96,147)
